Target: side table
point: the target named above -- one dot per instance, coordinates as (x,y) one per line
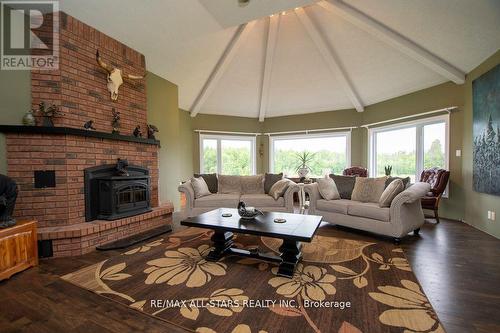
(18,248)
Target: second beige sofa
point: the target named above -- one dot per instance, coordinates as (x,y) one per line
(404,215)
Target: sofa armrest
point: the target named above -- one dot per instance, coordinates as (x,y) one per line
(288,196)
(413,193)
(314,195)
(406,210)
(188,191)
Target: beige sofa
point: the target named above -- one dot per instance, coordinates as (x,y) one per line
(261,201)
(404,215)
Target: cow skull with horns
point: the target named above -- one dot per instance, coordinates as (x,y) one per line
(115,77)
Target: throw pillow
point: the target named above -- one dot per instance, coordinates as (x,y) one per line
(252,184)
(210,179)
(270,179)
(328,189)
(229,184)
(279,188)
(390,192)
(368,189)
(200,187)
(345,185)
(406,181)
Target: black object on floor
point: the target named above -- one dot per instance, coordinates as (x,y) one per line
(129,241)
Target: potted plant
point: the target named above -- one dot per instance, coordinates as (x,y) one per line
(48,113)
(304,159)
(388,170)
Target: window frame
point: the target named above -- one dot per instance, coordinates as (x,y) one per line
(274,138)
(419,125)
(219,139)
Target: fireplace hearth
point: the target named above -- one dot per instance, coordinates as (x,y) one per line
(116,191)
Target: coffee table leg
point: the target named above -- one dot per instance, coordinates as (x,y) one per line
(290,256)
(222,242)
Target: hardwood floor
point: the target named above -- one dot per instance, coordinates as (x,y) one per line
(457,265)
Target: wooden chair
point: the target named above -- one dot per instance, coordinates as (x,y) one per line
(438,179)
(356,171)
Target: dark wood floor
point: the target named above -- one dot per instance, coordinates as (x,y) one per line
(457,265)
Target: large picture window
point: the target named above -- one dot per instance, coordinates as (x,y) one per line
(410,147)
(227,155)
(330,153)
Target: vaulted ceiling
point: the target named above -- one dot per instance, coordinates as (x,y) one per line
(285,57)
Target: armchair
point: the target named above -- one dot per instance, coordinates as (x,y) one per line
(438,179)
(356,171)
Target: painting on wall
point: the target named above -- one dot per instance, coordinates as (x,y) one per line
(486,132)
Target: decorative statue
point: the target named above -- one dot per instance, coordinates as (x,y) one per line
(121,168)
(248,213)
(115,77)
(8,196)
(89,125)
(29,119)
(115,123)
(137,132)
(152,129)
(48,113)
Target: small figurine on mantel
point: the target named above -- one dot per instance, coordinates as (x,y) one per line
(115,123)
(152,129)
(89,125)
(48,113)
(29,118)
(138,132)
(8,196)
(121,168)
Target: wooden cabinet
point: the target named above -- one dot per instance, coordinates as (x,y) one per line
(18,248)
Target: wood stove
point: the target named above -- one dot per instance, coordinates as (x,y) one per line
(116,191)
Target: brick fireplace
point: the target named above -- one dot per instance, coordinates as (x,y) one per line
(79,89)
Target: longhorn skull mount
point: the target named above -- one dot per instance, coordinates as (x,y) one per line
(115,76)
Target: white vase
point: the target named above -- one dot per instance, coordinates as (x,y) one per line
(303,172)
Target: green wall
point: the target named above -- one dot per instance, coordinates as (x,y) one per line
(15,101)
(175,135)
(477,204)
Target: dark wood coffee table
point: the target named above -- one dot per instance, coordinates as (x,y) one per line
(297,228)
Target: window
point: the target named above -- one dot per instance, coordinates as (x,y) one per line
(410,147)
(331,153)
(227,155)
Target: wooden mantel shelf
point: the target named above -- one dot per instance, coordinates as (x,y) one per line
(74,131)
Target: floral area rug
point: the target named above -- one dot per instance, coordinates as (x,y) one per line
(341,285)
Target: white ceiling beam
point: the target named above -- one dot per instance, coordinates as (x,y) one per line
(272,38)
(227,56)
(330,58)
(394,39)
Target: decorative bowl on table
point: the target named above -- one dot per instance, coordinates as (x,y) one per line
(248,213)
